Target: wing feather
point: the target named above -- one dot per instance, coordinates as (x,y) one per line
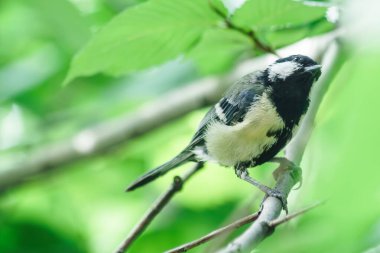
(232,108)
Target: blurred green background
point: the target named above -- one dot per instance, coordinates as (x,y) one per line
(82,206)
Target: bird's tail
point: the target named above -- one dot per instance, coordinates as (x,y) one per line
(161,170)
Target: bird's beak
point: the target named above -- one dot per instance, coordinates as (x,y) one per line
(315,70)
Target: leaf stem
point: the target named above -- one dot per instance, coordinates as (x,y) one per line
(251,34)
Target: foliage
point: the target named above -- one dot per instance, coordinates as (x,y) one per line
(117,54)
(143,36)
(159,30)
(262,15)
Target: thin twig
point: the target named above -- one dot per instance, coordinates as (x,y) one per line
(237,224)
(240,211)
(157,207)
(279,221)
(243,221)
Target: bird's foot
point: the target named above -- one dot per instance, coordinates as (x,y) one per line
(279,195)
(241,172)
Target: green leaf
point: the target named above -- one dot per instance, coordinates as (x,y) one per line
(219,49)
(219,7)
(268,14)
(143,36)
(283,37)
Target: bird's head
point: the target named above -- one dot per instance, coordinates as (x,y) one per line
(293,72)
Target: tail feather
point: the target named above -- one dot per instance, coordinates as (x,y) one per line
(160,170)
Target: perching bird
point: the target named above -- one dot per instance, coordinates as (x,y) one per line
(253,121)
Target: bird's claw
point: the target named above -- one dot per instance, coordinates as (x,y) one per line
(241,172)
(279,195)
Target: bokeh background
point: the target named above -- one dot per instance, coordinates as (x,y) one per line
(82,207)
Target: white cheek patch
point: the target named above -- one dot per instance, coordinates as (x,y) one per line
(282,70)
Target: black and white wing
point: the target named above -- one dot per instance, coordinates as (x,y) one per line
(232,108)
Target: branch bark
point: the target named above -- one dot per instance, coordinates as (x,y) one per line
(240,211)
(271,207)
(243,221)
(212,235)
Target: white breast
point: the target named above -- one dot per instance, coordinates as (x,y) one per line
(230,145)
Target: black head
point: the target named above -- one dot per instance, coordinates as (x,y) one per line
(290,80)
(292,76)
(293,70)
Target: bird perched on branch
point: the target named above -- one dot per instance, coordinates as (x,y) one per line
(255,119)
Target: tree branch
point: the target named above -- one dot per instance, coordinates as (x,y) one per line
(240,211)
(271,207)
(212,235)
(157,207)
(102,137)
(243,221)
(279,221)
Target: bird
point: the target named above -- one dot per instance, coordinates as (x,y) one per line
(252,122)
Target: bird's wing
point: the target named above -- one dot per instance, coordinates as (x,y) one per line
(232,108)
(197,139)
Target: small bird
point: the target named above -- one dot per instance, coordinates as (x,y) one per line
(255,119)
